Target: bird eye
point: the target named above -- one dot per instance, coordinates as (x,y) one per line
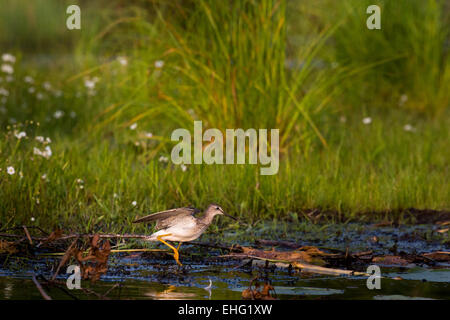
(217,208)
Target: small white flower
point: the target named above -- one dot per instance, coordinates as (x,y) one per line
(32,219)
(403,99)
(4,92)
(40,139)
(20,174)
(7,57)
(343,119)
(80,181)
(37,200)
(20,135)
(47,153)
(134,203)
(115,195)
(122,60)
(10,170)
(6,68)
(28,79)
(148,135)
(90,83)
(31,90)
(183,167)
(39,96)
(159,64)
(367,120)
(133,126)
(408,127)
(58,114)
(163,159)
(44,176)
(47,86)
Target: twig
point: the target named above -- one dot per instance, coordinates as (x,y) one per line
(60,285)
(74,235)
(112,251)
(111,289)
(64,258)
(41,290)
(27,234)
(304,267)
(362,253)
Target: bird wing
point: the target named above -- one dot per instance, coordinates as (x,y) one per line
(165,219)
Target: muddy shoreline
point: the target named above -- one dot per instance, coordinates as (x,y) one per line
(414,256)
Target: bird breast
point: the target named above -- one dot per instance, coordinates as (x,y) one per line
(187,231)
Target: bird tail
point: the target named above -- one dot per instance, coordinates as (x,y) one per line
(153,236)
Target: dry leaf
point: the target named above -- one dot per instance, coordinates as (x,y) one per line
(7,247)
(289,256)
(95,264)
(55,235)
(440,256)
(257,293)
(390,260)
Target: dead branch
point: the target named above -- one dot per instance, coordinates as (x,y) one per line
(304,267)
(64,259)
(74,235)
(27,234)
(41,290)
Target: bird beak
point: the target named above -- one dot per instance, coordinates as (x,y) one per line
(227,215)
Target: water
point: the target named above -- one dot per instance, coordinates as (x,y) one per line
(228,283)
(156,276)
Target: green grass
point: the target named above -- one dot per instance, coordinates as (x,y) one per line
(245,64)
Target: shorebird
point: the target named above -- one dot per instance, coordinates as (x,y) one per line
(181,225)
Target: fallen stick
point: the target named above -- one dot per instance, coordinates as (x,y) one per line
(41,290)
(74,235)
(111,289)
(304,267)
(61,285)
(112,251)
(64,259)
(27,234)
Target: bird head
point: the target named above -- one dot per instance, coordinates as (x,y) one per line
(214,209)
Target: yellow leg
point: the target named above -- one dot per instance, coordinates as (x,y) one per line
(179,245)
(175,250)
